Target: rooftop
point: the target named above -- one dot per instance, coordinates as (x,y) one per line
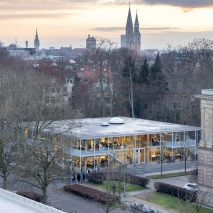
(207,92)
(11,202)
(91,128)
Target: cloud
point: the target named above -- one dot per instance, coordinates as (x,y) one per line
(108,29)
(111,29)
(35,15)
(42,4)
(180,3)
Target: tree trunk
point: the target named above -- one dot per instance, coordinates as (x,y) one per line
(102,90)
(44,195)
(131,93)
(4,182)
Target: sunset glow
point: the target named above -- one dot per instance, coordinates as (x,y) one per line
(64,22)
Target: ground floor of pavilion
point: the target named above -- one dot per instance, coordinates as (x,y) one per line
(93,142)
(166,147)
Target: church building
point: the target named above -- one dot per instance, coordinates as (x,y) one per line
(132,38)
(36,41)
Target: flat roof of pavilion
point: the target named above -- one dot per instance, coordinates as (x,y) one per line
(91,128)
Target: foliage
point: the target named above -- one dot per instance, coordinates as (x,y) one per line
(31,195)
(141,181)
(100,176)
(41,166)
(171,202)
(95,178)
(176,191)
(128,186)
(144,73)
(90,193)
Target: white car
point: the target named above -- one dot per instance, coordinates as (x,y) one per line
(193,187)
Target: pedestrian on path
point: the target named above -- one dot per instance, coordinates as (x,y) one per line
(83,176)
(78,177)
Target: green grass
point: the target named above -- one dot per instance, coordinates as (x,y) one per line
(128,186)
(170,202)
(169,175)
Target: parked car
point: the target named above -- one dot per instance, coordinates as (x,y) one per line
(193,187)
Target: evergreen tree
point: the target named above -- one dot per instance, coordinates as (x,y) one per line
(129,69)
(144,73)
(129,72)
(156,69)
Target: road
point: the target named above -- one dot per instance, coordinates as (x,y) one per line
(143,169)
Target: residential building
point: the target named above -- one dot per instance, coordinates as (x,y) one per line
(26,52)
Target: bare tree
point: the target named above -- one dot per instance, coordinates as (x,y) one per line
(101,57)
(40,168)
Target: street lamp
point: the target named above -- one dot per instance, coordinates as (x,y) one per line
(124,165)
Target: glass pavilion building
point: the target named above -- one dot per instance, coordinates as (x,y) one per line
(93,141)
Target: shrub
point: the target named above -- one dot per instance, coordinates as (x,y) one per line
(176,191)
(100,176)
(90,193)
(141,181)
(95,178)
(195,172)
(31,195)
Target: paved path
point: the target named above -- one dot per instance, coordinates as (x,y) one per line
(136,196)
(70,202)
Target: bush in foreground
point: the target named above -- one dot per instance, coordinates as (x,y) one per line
(31,195)
(100,176)
(176,191)
(95,178)
(141,181)
(90,193)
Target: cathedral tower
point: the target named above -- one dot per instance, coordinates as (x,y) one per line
(132,38)
(36,41)
(129,31)
(137,35)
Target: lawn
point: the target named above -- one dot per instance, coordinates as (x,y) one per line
(169,175)
(170,202)
(128,186)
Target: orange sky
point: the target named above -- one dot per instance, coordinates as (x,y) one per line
(65,22)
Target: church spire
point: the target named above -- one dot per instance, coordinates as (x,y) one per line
(36,41)
(36,33)
(136,22)
(129,25)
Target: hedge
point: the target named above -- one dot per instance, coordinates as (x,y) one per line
(176,191)
(95,178)
(90,193)
(100,176)
(31,195)
(141,181)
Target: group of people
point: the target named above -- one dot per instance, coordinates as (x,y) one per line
(81,177)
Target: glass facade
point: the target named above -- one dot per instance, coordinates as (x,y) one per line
(135,149)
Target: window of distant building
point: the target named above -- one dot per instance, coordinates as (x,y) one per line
(52,90)
(58,89)
(53,100)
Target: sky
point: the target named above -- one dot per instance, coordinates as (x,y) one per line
(68,22)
